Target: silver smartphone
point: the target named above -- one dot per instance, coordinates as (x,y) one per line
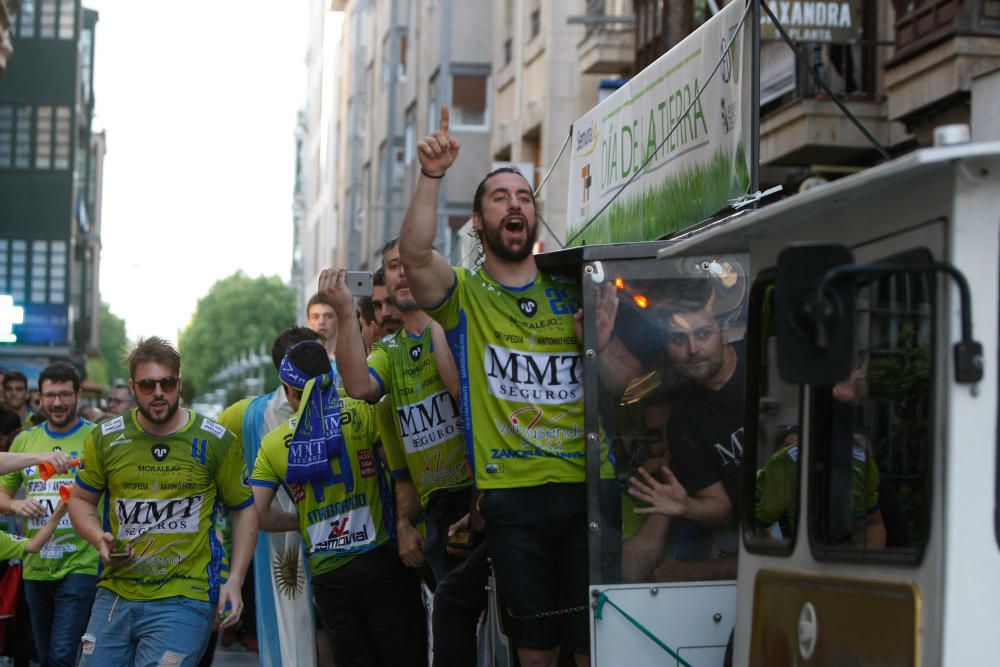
(359,282)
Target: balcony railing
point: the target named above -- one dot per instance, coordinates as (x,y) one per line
(920,24)
(849,70)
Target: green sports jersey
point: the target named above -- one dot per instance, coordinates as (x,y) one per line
(67,552)
(353,517)
(161,493)
(429,440)
(386,426)
(777,487)
(11,546)
(521,373)
(232,417)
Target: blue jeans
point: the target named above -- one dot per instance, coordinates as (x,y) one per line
(59,611)
(170,631)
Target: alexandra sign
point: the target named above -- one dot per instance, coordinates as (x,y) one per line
(695,149)
(836,22)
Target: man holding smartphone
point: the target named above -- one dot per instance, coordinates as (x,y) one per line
(161,469)
(413,369)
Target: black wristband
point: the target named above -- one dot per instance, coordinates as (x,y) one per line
(441,175)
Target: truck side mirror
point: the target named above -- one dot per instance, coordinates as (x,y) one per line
(815,324)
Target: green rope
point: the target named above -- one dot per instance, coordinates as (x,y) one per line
(602,598)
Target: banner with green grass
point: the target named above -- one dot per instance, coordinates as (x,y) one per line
(656,157)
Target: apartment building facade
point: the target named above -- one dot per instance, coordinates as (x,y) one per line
(378,73)
(51,165)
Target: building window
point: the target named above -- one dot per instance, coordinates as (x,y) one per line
(536,22)
(63,135)
(26,20)
(53,134)
(67,19)
(383,158)
(469,95)
(433,103)
(47,15)
(22,137)
(18,268)
(43,138)
(35,276)
(86,63)
(410,135)
(508,50)
(404,44)
(6,137)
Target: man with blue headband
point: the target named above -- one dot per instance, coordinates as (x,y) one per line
(275,592)
(327,456)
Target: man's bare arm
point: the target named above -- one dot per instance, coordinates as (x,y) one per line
(642,551)
(45,533)
(408,510)
(351,361)
(428,273)
(26,507)
(11,461)
(244,540)
(445,361)
(270,519)
(86,522)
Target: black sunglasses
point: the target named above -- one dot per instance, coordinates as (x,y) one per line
(148,386)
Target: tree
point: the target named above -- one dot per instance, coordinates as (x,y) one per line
(107,367)
(237,316)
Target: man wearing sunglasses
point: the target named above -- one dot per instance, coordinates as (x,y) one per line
(162,470)
(60,580)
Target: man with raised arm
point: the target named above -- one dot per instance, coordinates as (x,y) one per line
(162,470)
(516,335)
(414,369)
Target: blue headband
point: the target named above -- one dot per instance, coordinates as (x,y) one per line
(291,374)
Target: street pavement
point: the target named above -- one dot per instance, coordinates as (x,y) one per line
(234,656)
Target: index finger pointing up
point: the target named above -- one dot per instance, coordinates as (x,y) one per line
(444,118)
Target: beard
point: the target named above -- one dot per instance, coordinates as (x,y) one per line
(390,324)
(62,419)
(153,419)
(403,305)
(493,239)
(703,369)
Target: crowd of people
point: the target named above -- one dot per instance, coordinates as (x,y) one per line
(420,436)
